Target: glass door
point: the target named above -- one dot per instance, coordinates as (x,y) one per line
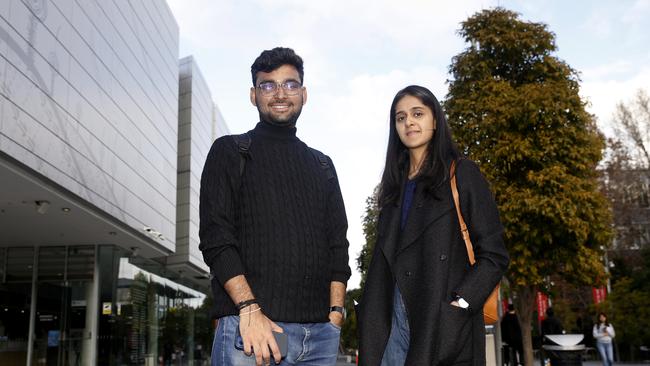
(63,294)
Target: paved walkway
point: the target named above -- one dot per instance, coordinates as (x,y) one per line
(585,363)
(598,363)
(342,362)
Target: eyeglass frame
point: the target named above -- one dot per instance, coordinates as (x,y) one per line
(279,86)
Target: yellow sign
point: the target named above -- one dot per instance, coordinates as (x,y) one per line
(107,308)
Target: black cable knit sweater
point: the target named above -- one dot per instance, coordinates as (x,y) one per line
(282,224)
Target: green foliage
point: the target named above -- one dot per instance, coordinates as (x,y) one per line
(370,218)
(630,311)
(370,232)
(203,324)
(515,109)
(349,337)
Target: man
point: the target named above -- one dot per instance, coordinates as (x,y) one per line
(511,335)
(273,231)
(551,325)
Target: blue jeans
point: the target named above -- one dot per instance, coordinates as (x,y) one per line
(606,353)
(313,344)
(399,339)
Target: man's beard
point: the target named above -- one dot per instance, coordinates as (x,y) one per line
(284,121)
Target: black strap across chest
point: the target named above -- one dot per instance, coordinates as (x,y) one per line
(243,142)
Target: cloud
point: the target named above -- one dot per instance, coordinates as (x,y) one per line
(608,71)
(599,23)
(349,122)
(403,22)
(604,90)
(638,13)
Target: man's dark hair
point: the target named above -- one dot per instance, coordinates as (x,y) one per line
(270,60)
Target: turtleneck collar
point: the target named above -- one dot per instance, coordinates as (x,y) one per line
(275,132)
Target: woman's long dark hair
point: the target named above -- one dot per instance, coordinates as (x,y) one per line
(441,150)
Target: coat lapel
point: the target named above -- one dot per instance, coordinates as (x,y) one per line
(424,211)
(388,234)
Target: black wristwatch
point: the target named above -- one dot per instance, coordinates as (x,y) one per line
(339,309)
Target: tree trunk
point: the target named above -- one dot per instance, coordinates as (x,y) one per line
(524,305)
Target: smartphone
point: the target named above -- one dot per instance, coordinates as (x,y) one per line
(280,338)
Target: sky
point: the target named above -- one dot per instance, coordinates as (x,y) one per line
(358,54)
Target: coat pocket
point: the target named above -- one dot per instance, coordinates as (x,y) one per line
(455,332)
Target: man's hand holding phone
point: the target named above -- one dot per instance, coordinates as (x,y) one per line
(257,335)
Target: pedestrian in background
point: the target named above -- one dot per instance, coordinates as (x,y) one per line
(511,335)
(551,325)
(604,334)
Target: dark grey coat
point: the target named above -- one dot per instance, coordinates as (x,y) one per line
(428,259)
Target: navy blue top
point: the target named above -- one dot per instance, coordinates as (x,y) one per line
(409,192)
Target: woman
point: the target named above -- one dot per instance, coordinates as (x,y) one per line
(604,333)
(422,302)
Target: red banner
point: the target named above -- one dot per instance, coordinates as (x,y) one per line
(542,305)
(599,294)
(504,306)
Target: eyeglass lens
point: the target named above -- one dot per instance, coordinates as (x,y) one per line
(290,87)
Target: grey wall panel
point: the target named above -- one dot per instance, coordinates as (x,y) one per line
(163,15)
(164,95)
(204,141)
(143,84)
(86,142)
(161,101)
(124,28)
(97,122)
(91,106)
(43,127)
(134,33)
(81,78)
(203,115)
(164,51)
(30,141)
(219,123)
(162,18)
(195,139)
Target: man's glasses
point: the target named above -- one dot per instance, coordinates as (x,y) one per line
(290,87)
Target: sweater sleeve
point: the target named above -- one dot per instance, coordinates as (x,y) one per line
(482,217)
(337,226)
(217,210)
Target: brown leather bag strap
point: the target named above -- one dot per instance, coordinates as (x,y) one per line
(463,227)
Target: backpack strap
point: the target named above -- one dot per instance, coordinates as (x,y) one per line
(243,142)
(324,163)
